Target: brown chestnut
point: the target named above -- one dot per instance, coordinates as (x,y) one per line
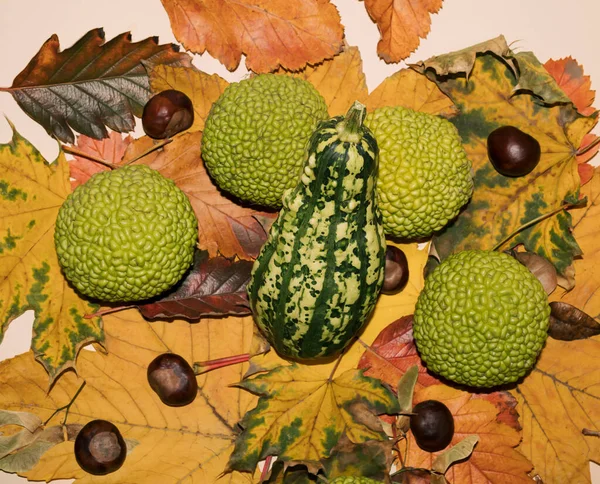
(432,425)
(396,270)
(100,448)
(513,152)
(173,380)
(167,113)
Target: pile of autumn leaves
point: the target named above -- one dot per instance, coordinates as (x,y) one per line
(319,416)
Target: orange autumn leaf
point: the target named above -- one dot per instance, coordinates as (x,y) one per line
(401,23)
(494,459)
(109,149)
(225,227)
(271,33)
(569,76)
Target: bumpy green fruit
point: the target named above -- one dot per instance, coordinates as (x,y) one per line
(353,480)
(256,133)
(424,174)
(481,319)
(125,235)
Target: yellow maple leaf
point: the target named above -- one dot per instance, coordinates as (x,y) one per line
(174,444)
(303,412)
(560,397)
(409,89)
(340,80)
(31,193)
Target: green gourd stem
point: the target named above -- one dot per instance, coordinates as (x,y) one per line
(349,128)
(536,220)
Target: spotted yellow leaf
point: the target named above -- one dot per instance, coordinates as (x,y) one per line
(31,193)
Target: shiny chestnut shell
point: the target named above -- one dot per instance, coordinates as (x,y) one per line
(173,380)
(396,270)
(167,113)
(100,448)
(432,425)
(513,152)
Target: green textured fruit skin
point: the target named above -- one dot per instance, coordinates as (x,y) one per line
(424,173)
(125,235)
(317,278)
(481,319)
(255,136)
(353,480)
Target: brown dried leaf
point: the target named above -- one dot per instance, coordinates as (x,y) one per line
(270,33)
(541,268)
(401,23)
(462,61)
(567,323)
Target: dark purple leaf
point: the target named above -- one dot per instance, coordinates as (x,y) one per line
(214,286)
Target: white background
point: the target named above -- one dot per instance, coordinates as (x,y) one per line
(549,28)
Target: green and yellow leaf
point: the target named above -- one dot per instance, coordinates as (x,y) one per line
(561,396)
(31,192)
(302,413)
(500,205)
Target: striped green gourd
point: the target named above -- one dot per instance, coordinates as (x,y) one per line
(318,277)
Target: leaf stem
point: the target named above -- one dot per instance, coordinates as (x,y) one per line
(83,154)
(538,219)
(591,433)
(587,148)
(102,312)
(335,367)
(266,468)
(66,407)
(201,367)
(154,147)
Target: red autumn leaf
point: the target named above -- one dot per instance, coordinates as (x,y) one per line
(271,33)
(392,353)
(214,286)
(109,149)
